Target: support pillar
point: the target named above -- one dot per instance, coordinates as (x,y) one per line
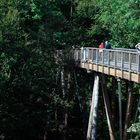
(91,132)
(120,107)
(113,100)
(108,109)
(128,112)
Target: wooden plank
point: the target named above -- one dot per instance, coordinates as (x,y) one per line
(119,73)
(135,77)
(82,65)
(100,69)
(86,66)
(138,78)
(106,70)
(111,71)
(90,66)
(93,67)
(96,67)
(125,75)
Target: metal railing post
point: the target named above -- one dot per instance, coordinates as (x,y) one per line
(138,63)
(97,56)
(108,58)
(92,55)
(102,56)
(122,59)
(84,54)
(114,60)
(81,53)
(129,66)
(87,54)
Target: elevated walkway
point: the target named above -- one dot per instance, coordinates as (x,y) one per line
(122,63)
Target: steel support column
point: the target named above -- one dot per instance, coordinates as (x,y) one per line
(120,107)
(91,132)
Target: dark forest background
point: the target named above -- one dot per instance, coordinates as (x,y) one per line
(42,95)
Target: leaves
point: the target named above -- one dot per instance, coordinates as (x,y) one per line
(31,31)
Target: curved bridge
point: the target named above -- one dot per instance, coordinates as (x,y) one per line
(122,63)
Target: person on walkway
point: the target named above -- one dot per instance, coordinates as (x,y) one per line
(108,55)
(101,47)
(73,46)
(107,45)
(138,47)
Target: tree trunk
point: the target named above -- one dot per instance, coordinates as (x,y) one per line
(63,85)
(77,92)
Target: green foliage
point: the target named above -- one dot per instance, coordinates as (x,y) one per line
(135,129)
(30,97)
(6,65)
(117,21)
(36,11)
(118,18)
(31,100)
(13,14)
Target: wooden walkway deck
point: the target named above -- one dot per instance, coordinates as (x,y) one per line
(123,63)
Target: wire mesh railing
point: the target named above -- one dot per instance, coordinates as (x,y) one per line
(123,59)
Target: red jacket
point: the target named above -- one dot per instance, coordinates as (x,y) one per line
(101,46)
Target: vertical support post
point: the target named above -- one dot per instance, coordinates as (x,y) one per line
(81,54)
(84,53)
(120,107)
(108,109)
(113,104)
(77,54)
(122,60)
(91,132)
(97,56)
(138,68)
(108,58)
(74,55)
(73,51)
(78,51)
(115,62)
(108,62)
(92,55)
(128,111)
(102,61)
(122,65)
(136,114)
(138,63)
(87,54)
(130,66)
(102,56)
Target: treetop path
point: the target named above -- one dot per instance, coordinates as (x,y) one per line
(122,63)
(119,62)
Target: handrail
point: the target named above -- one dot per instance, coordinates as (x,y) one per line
(123,59)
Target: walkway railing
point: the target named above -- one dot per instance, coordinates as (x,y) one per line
(123,59)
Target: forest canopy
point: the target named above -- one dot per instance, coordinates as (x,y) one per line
(34,101)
